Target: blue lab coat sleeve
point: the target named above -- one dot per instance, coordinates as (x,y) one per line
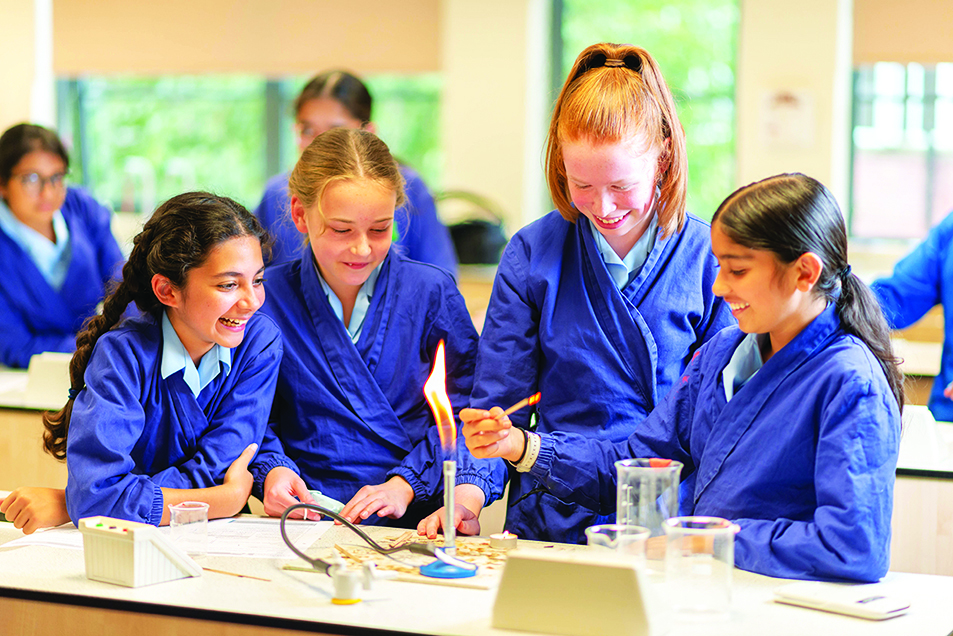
(38,318)
(920,281)
(107,422)
(580,469)
(915,286)
(18,343)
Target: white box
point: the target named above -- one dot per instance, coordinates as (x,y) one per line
(131,553)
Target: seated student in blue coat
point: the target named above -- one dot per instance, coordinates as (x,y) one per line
(601,304)
(920,281)
(361,325)
(57,253)
(788,425)
(170,406)
(339,99)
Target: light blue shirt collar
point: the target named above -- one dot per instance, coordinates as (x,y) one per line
(176,358)
(52,259)
(361,303)
(744,363)
(623,270)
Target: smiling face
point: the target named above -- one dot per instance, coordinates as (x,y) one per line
(766,296)
(218,298)
(351,233)
(35,208)
(320,115)
(613,185)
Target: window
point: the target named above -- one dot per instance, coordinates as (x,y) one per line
(694,42)
(137,141)
(902,147)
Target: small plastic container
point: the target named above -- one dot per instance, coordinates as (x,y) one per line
(700,558)
(189,525)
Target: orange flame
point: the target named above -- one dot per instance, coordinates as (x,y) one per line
(435,390)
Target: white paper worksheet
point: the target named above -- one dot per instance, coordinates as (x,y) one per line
(249,537)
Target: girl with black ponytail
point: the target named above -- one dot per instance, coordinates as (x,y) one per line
(788,425)
(169,406)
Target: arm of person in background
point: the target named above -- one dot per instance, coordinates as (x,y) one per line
(915,285)
(18,343)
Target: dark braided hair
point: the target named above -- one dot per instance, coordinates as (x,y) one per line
(178,238)
(792,214)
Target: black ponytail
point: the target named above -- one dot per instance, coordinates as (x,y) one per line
(792,214)
(179,237)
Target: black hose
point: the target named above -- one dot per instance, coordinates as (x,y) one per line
(320,564)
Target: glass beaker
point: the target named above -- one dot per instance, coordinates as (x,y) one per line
(647,492)
(619,541)
(700,557)
(647,495)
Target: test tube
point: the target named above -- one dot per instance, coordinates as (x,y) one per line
(449,529)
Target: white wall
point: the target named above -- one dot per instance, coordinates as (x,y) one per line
(26,47)
(801,49)
(495,111)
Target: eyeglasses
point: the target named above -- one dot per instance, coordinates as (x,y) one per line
(34,184)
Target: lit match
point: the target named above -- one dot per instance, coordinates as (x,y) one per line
(529,401)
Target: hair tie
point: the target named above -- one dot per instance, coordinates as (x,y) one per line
(844,273)
(631,61)
(73,393)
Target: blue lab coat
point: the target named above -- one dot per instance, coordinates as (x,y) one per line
(133,432)
(601,358)
(421,235)
(34,316)
(348,415)
(803,457)
(921,280)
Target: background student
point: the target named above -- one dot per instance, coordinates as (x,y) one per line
(788,425)
(339,99)
(920,281)
(170,406)
(600,304)
(361,325)
(57,252)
